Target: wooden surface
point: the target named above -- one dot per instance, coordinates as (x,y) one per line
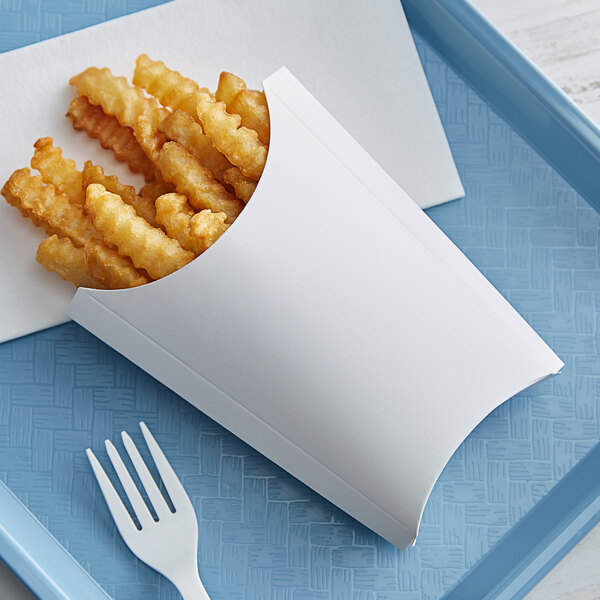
(577,576)
(561,36)
(11,588)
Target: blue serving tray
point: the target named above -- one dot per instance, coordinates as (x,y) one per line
(264,534)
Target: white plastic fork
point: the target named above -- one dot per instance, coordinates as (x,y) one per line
(170,544)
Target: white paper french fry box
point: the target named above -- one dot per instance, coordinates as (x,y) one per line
(333,327)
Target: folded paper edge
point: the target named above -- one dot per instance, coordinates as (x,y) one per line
(519,388)
(162,366)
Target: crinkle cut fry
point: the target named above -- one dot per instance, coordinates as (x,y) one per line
(243,186)
(181,128)
(154,189)
(111,135)
(208,227)
(60,256)
(169,87)
(196,182)
(16,202)
(195,232)
(251,105)
(117,97)
(57,170)
(239,144)
(150,141)
(148,247)
(143,205)
(48,206)
(114,270)
(228,88)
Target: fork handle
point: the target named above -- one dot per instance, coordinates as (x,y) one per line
(190,587)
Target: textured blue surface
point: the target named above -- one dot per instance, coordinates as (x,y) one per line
(539,540)
(263,534)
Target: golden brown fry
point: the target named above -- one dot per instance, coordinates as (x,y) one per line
(150,141)
(207,227)
(60,256)
(181,128)
(148,247)
(196,182)
(243,186)
(143,206)
(154,189)
(114,270)
(229,86)
(117,97)
(239,144)
(48,206)
(195,232)
(170,87)
(251,105)
(58,171)
(16,202)
(111,135)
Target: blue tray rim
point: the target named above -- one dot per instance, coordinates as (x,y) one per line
(529,550)
(36,556)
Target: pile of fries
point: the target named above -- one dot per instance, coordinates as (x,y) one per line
(201,155)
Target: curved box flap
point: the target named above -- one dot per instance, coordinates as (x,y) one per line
(333,326)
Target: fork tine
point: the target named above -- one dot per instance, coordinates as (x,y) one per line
(140,508)
(174,487)
(158,501)
(117,509)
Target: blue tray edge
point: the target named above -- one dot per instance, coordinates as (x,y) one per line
(526,553)
(539,110)
(36,556)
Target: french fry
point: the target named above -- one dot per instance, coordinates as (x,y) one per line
(117,97)
(208,227)
(170,87)
(58,171)
(228,87)
(150,141)
(143,206)
(154,189)
(148,247)
(242,185)
(16,202)
(195,232)
(201,155)
(48,206)
(62,257)
(196,182)
(239,144)
(111,135)
(251,105)
(181,128)
(114,270)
